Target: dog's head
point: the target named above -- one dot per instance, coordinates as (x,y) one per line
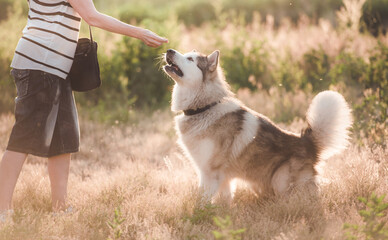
(198,79)
(190,68)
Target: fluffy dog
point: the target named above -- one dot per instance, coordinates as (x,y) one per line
(227,140)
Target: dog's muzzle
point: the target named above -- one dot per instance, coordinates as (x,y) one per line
(172,67)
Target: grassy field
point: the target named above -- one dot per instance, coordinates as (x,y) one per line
(139,172)
(131,181)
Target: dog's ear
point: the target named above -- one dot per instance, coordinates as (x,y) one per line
(212,60)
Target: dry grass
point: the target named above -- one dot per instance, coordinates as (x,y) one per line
(140,170)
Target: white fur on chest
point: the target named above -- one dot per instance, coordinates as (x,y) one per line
(194,141)
(201,151)
(197,148)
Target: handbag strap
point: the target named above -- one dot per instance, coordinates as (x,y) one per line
(90,33)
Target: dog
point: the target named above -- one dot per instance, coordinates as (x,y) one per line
(226,140)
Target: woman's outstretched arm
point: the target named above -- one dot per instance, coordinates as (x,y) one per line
(89,13)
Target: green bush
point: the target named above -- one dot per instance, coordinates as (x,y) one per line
(348,69)
(288,74)
(246,68)
(145,80)
(9,37)
(245,8)
(347,74)
(7,87)
(226,231)
(140,11)
(116,225)
(374,228)
(372,112)
(195,13)
(316,67)
(202,214)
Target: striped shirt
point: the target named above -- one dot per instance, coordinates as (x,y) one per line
(49,39)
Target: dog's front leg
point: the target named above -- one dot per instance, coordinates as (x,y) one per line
(227,189)
(210,182)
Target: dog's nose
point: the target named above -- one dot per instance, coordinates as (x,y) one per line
(170,51)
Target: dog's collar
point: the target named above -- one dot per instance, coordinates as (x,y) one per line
(191,112)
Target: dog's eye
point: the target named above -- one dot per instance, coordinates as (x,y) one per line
(190,59)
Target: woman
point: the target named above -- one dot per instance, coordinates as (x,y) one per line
(46,117)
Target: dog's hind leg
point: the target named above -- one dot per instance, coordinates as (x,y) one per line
(294,173)
(306,178)
(281,179)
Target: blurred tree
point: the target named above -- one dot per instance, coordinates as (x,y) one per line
(5,7)
(281,9)
(316,67)
(375,17)
(196,13)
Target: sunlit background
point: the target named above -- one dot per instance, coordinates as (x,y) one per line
(276,55)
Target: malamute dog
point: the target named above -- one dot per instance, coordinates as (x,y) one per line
(227,140)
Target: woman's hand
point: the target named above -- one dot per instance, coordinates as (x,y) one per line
(151,39)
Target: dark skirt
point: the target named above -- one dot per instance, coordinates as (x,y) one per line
(46,116)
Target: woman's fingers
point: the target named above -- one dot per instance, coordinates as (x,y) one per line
(156,36)
(151,43)
(152,39)
(155,41)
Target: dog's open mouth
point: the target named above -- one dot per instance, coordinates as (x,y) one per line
(172,67)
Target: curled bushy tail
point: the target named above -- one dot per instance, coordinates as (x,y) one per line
(329,117)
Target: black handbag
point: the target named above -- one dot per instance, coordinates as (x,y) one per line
(84,74)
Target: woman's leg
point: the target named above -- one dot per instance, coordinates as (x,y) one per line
(58,168)
(10,168)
